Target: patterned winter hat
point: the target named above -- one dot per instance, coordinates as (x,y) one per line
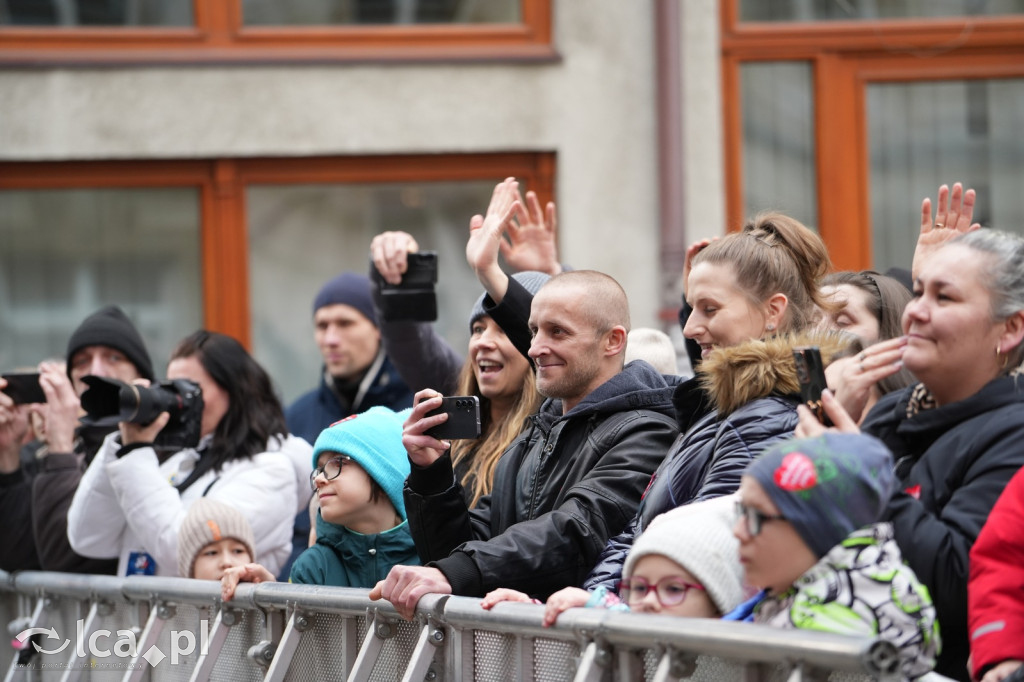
(374,440)
(828,486)
(698,537)
(206,522)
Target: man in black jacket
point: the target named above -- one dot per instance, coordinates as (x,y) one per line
(573,478)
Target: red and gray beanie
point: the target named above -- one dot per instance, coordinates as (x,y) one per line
(827,486)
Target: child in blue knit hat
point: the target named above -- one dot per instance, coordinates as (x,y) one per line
(359,470)
(810,533)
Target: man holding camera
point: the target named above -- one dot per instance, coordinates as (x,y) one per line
(106,344)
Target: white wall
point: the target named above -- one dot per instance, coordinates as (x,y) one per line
(595,108)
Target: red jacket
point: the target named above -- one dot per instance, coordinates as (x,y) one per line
(996,585)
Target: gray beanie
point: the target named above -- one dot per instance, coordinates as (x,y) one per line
(698,537)
(531,280)
(827,486)
(206,522)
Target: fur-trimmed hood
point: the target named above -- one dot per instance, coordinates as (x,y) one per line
(758,368)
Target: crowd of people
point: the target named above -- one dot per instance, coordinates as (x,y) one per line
(601,477)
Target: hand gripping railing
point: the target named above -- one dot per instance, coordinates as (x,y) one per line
(277,632)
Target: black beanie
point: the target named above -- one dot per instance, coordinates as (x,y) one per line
(109,326)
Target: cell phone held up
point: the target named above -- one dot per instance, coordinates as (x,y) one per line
(463,418)
(24,388)
(414,298)
(810,372)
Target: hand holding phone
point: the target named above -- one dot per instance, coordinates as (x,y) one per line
(24,388)
(414,299)
(810,372)
(463,418)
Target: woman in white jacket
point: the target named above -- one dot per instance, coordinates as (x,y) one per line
(131,502)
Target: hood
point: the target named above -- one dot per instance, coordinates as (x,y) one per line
(637,387)
(758,368)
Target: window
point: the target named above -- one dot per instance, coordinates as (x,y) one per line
(863,113)
(158,31)
(238,246)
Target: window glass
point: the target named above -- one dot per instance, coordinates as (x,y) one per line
(302,235)
(778,140)
(383,12)
(871,10)
(96,13)
(922,135)
(64,253)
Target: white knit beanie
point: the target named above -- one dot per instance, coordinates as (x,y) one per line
(699,538)
(210,521)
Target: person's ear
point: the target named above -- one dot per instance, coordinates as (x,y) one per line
(1013,333)
(775,311)
(615,341)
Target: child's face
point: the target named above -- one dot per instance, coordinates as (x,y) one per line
(345,498)
(777,555)
(219,556)
(669,577)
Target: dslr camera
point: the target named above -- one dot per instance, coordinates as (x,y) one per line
(414,299)
(109,401)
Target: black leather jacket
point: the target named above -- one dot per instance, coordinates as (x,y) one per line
(565,486)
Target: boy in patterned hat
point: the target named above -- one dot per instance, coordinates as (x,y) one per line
(807,524)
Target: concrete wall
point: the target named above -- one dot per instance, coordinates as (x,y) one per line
(595,108)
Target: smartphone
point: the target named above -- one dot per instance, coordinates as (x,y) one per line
(463,418)
(24,388)
(810,372)
(414,298)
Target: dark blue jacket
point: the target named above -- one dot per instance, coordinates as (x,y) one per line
(743,401)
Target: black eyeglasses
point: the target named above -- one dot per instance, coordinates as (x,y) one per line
(754,518)
(670,590)
(330,469)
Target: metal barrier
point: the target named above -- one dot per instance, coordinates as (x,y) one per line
(162,629)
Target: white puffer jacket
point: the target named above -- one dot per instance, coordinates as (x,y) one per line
(131,505)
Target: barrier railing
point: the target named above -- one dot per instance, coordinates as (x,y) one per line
(137,628)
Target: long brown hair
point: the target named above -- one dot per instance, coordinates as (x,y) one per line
(485,451)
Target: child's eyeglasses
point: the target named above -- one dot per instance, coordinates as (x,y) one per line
(331,469)
(670,590)
(754,519)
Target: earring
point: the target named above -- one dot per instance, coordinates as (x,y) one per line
(1005,358)
(770,327)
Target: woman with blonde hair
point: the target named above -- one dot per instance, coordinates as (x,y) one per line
(493,370)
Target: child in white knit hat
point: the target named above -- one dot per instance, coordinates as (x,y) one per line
(213,538)
(685,563)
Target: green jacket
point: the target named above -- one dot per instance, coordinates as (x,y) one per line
(345,558)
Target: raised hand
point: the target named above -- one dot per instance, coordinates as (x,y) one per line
(809,426)
(532,237)
(485,238)
(950,221)
(389,252)
(62,407)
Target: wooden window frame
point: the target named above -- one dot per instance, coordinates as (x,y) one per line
(219,36)
(222,184)
(845,57)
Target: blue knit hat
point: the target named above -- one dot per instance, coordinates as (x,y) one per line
(531,280)
(374,440)
(348,288)
(828,486)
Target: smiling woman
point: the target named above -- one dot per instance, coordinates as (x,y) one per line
(956,436)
